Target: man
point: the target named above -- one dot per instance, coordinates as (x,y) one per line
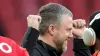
(94,23)
(9,48)
(55,31)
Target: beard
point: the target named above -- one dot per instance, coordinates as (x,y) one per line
(59,43)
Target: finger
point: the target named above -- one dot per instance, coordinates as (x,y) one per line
(83,23)
(39,19)
(29,17)
(79,22)
(75,23)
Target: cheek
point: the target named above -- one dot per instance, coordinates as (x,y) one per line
(59,36)
(64,34)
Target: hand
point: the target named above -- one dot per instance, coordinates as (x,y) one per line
(33,21)
(78,28)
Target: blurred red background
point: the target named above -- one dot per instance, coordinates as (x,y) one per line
(13,14)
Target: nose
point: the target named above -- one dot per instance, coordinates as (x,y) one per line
(70,36)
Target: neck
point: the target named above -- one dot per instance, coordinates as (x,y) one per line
(97,45)
(48,40)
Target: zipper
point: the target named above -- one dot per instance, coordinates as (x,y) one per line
(55,53)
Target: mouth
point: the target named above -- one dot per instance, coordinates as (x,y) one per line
(66,40)
(69,38)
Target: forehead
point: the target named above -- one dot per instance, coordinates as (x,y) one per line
(66,21)
(66,18)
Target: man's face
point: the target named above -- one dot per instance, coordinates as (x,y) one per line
(64,33)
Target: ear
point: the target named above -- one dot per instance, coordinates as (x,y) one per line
(52,29)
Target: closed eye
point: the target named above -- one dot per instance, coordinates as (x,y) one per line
(69,29)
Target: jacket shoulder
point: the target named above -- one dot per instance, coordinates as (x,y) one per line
(40,51)
(36,53)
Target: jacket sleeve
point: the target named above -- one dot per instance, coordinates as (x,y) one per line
(30,38)
(79,48)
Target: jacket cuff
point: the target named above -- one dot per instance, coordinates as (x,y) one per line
(31,33)
(79,44)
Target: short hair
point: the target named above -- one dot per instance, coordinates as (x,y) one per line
(96,24)
(51,14)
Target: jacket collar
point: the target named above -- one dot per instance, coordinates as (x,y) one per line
(51,50)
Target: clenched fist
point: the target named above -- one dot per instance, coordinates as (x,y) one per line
(33,21)
(78,28)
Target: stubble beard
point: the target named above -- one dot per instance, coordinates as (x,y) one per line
(59,44)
